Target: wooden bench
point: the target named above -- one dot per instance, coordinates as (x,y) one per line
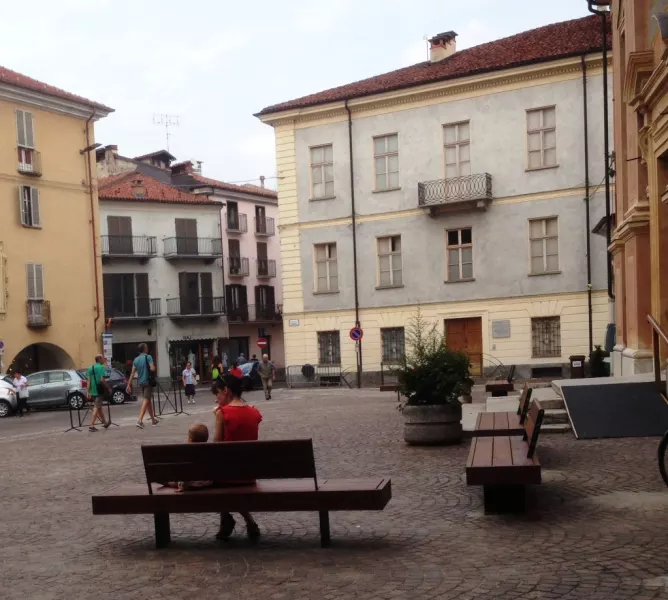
(501,387)
(504,465)
(504,423)
(285,476)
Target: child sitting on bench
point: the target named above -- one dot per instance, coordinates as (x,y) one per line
(197,434)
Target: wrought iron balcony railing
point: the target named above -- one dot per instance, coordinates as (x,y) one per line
(191,247)
(140,308)
(266,268)
(192,306)
(236,222)
(238,266)
(141,246)
(30,162)
(38,313)
(455,190)
(264,226)
(255,313)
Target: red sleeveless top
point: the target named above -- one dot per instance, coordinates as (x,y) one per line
(242,423)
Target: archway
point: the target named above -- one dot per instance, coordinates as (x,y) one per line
(41,357)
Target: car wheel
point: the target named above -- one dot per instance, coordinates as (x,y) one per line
(5,409)
(76,401)
(118,397)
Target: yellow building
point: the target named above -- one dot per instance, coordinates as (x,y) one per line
(51,306)
(461,184)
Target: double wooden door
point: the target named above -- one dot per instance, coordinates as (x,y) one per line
(465,335)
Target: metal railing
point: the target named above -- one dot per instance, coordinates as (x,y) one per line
(238,266)
(30,162)
(658,335)
(455,189)
(195,305)
(264,226)
(313,376)
(129,245)
(255,313)
(236,222)
(142,308)
(266,267)
(191,246)
(38,313)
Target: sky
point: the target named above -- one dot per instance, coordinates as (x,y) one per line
(213,63)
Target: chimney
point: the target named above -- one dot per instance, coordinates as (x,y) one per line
(442,45)
(261,181)
(183,168)
(198,169)
(138,189)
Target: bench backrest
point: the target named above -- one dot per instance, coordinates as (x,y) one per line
(525,401)
(511,374)
(230,461)
(532,426)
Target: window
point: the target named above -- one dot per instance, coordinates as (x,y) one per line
(389,261)
(329,348)
(56,377)
(546,337)
(29,206)
(544,242)
(327,275)
(457,143)
(542,138)
(393,344)
(386,161)
(36,379)
(460,255)
(24,129)
(322,172)
(35,281)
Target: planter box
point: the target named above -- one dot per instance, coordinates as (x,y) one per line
(432,425)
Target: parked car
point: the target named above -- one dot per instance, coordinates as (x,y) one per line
(55,388)
(251,379)
(7,379)
(8,399)
(118,383)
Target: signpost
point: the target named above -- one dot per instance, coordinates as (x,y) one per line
(107,339)
(262,343)
(356,334)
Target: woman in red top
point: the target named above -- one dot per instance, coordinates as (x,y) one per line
(235,370)
(235,421)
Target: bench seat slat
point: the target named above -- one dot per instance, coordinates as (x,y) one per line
(501,455)
(487,425)
(521,471)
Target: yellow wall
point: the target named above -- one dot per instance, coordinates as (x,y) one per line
(63,244)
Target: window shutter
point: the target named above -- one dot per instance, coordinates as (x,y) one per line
(243,296)
(34,207)
(228,298)
(271,298)
(20,128)
(22,206)
(39,282)
(30,137)
(258,298)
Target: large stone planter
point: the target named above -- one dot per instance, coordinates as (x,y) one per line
(434,424)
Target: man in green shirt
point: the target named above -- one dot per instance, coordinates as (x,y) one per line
(97,379)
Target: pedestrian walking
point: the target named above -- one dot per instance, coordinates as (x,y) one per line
(144,367)
(267,373)
(20,384)
(241,360)
(189,377)
(97,382)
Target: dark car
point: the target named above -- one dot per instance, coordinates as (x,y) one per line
(118,383)
(251,378)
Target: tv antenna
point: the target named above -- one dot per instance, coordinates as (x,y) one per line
(166,121)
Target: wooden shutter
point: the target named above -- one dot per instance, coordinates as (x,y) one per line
(34,207)
(258,298)
(206,292)
(20,127)
(243,296)
(229,302)
(143,300)
(35,281)
(262,251)
(108,291)
(271,297)
(30,137)
(30,281)
(234,248)
(23,208)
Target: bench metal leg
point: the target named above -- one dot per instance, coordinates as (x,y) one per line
(501,499)
(325,537)
(162,533)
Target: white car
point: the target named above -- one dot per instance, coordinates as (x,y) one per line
(8,399)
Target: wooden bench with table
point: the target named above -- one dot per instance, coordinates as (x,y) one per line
(505,465)
(501,387)
(504,423)
(284,471)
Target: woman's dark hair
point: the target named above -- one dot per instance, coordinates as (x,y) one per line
(215,361)
(235,384)
(234,364)
(218,385)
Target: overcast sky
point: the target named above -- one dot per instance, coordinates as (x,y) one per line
(216,62)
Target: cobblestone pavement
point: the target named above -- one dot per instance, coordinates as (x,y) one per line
(597,528)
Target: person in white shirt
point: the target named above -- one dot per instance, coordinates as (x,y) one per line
(189,377)
(20,384)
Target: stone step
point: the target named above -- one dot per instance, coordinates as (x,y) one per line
(555,428)
(554,416)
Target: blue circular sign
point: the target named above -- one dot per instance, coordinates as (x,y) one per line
(356,334)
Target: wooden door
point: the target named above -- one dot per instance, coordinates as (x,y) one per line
(206,291)
(465,335)
(186,236)
(120,235)
(260,219)
(143,300)
(262,262)
(189,293)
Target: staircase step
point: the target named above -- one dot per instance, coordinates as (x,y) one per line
(556,428)
(555,416)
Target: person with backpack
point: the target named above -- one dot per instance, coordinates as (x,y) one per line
(144,367)
(97,382)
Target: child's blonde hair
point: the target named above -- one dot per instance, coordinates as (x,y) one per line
(198,433)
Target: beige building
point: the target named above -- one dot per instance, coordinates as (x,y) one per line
(51,309)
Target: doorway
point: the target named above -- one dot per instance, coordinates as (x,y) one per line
(465,335)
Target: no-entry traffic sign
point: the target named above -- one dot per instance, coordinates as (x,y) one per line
(261,342)
(356,334)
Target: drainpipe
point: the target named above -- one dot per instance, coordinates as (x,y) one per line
(587,215)
(352,201)
(92,226)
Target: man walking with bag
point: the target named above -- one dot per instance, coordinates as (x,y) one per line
(267,373)
(144,368)
(97,382)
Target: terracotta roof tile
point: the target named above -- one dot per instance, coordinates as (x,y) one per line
(245,189)
(10,77)
(119,187)
(559,40)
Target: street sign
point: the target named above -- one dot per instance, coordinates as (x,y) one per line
(262,342)
(356,334)
(107,339)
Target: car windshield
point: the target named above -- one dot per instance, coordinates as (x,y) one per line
(246,368)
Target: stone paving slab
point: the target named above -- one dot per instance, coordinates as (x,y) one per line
(596,527)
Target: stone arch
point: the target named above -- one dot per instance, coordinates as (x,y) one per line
(41,357)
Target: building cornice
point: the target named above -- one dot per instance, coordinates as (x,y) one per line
(27,97)
(638,71)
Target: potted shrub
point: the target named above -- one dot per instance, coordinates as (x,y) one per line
(432,378)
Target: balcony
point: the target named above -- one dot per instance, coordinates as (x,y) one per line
(252,313)
(208,249)
(238,266)
(236,223)
(469,192)
(266,268)
(194,306)
(141,247)
(264,226)
(38,313)
(30,162)
(141,309)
